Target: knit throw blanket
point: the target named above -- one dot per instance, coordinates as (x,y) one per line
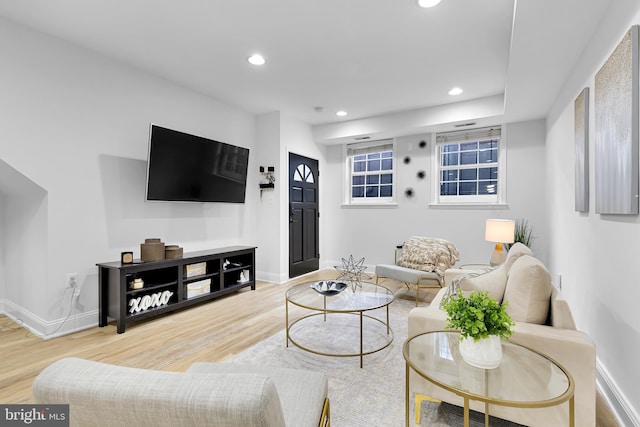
(428,254)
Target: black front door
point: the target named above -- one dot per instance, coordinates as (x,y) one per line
(303,215)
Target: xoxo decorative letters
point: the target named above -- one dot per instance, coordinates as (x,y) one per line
(149,301)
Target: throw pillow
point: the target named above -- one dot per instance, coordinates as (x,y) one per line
(516,251)
(493,281)
(528,291)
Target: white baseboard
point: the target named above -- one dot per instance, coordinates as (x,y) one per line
(270,277)
(626,415)
(280,279)
(48,329)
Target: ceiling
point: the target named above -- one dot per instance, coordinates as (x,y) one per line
(371,58)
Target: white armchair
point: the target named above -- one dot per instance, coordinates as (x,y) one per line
(221,394)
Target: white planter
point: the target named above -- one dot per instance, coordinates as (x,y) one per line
(486,353)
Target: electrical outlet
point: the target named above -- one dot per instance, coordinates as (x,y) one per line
(72,280)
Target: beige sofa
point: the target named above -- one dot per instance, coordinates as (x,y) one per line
(208,394)
(543,322)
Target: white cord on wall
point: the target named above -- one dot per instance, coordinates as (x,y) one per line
(74,292)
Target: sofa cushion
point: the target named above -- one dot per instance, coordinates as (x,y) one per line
(493,281)
(407,275)
(100,395)
(428,254)
(560,315)
(528,290)
(516,251)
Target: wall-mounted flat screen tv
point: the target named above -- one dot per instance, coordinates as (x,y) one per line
(188,168)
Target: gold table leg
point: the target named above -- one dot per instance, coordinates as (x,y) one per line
(572,413)
(361,346)
(406,395)
(486,414)
(388,326)
(466,412)
(286,304)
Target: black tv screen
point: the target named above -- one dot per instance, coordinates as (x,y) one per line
(189,168)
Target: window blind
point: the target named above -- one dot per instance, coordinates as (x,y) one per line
(369,147)
(469,135)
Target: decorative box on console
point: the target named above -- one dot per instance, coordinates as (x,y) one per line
(152,250)
(172,252)
(194,270)
(201,287)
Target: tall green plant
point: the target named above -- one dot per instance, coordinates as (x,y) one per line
(523,233)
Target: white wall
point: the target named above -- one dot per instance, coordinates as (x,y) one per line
(3,226)
(373,232)
(596,254)
(268,214)
(297,137)
(279,135)
(76,124)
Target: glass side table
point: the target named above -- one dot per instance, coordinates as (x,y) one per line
(365,298)
(541,381)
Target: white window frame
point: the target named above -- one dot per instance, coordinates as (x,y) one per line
(469,135)
(349,151)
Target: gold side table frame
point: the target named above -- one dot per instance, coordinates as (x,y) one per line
(567,395)
(311,302)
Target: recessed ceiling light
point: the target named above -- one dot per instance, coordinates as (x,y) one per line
(256,59)
(455,91)
(341,113)
(428,3)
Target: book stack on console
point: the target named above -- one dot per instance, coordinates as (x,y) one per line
(195,270)
(198,288)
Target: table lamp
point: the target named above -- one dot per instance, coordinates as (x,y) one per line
(499,231)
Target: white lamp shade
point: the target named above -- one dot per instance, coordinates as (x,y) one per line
(499,230)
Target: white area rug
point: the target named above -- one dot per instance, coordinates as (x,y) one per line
(371,396)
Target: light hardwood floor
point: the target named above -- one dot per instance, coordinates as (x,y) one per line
(213,332)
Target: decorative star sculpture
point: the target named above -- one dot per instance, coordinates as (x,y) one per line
(352,272)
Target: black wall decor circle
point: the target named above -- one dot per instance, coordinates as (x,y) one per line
(407,160)
(408,192)
(421,174)
(423,144)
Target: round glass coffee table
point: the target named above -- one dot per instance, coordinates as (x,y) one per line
(352,301)
(525,378)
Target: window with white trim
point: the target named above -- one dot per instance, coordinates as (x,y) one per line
(370,172)
(468,165)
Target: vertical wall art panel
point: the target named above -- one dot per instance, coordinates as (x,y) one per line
(581,108)
(616,105)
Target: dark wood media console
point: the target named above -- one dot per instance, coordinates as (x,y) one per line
(170,284)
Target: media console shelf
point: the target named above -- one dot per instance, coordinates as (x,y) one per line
(170,284)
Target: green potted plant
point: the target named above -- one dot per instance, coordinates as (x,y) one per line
(482,323)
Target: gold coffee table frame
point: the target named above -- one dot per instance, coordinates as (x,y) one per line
(366,297)
(453,337)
